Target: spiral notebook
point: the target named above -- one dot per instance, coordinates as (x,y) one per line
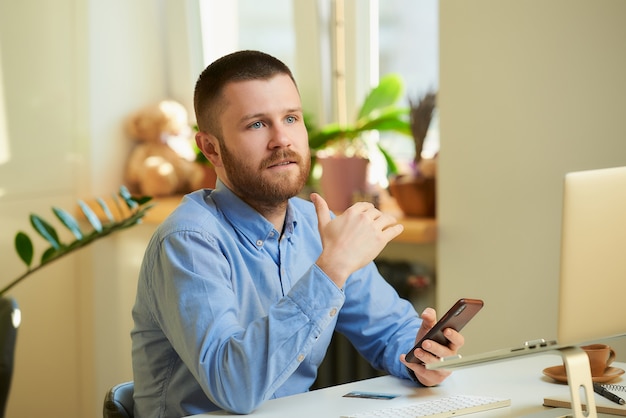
(603,405)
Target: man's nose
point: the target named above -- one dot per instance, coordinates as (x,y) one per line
(280,137)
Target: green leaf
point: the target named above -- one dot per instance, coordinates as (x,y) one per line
(142,200)
(392,168)
(48,254)
(91,216)
(321,139)
(128,198)
(118,204)
(46,231)
(387,93)
(69,222)
(105,209)
(387,124)
(24,248)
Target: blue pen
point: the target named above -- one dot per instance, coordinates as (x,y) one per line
(602,391)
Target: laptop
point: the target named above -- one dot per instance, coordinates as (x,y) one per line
(592,288)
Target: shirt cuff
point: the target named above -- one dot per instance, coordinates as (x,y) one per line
(412,376)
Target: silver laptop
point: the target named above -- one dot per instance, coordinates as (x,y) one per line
(593,267)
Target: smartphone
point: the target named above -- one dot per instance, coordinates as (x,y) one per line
(456,318)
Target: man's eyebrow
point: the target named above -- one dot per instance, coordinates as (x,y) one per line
(251,116)
(246,118)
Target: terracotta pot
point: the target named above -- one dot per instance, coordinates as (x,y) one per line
(416,196)
(342,178)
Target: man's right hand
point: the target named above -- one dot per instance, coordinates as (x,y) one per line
(352,239)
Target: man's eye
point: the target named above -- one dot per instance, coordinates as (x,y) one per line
(291,119)
(256,125)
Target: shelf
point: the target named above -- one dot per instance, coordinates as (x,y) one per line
(416,230)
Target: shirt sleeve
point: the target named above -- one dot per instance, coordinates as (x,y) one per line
(380,324)
(238,366)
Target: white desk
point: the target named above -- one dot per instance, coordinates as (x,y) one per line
(520,380)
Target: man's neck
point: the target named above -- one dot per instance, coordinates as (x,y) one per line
(274,213)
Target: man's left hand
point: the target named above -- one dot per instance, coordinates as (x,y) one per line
(432,351)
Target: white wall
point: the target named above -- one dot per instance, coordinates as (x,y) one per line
(72,70)
(529,91)
(38,57)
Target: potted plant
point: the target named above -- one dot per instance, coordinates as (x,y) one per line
(129,212)
(342,150)
(415,193)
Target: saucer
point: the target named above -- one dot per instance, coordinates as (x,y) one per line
(558,373)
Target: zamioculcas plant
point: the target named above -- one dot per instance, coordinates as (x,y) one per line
(131,210)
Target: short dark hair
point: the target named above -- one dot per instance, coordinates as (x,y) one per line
(237,66)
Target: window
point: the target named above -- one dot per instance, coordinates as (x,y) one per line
(248,24)
(408,45)
(403,39)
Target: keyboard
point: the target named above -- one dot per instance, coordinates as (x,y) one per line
(449,406)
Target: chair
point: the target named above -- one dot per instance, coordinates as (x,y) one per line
(118,402)
(9,322)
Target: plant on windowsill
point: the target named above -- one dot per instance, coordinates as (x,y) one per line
(130,211)
(343,151)
(415,193)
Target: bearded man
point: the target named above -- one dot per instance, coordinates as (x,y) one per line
(242,287)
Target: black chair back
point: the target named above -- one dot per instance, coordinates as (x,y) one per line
(9,322)
(118,402)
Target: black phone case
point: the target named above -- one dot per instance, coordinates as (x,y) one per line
(456,318)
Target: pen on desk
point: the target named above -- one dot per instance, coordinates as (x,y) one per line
(601,390)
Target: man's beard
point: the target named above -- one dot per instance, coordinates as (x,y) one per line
(256,185)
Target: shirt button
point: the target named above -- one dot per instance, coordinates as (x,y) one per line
(259,243)
(300,358)
(333,312)
(271,233)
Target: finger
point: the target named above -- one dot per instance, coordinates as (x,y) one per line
(429,319)
(455,338)
(429,316)
(425,376)
(322,210)
(384,220)
(362,207)
(432,351)
(392,231)
(451,348)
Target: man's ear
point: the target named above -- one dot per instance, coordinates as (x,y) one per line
(210,147)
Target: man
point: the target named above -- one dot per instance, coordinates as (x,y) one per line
(242,287)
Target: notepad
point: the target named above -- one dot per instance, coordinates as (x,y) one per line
(603,405)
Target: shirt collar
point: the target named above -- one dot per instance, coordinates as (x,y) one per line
(247,220)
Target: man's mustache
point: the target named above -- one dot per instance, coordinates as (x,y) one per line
(280,156)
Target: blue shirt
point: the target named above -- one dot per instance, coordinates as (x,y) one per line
(230,312)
